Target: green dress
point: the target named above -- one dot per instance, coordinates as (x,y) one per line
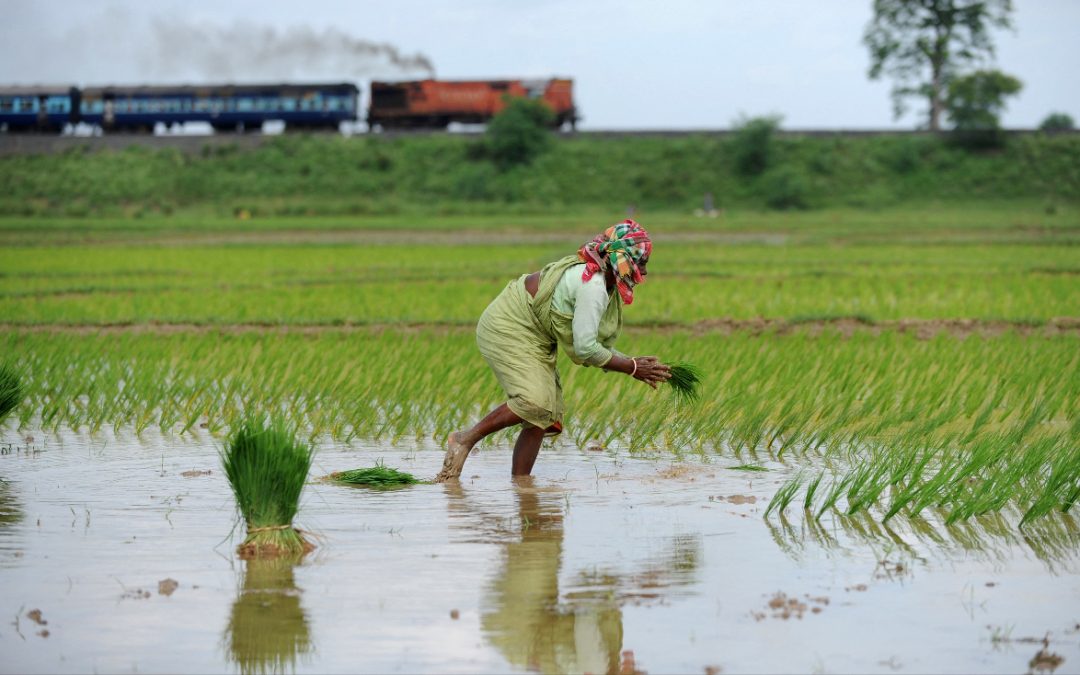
(518,336)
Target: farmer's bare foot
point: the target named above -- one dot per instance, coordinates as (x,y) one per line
(454,461)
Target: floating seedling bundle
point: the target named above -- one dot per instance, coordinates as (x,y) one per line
(684,382)
(10,391)
(378,476)
(267,468)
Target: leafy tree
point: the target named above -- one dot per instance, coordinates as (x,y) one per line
(974,102)
(922,44)
(519,132)
(752,145)
(1057,122)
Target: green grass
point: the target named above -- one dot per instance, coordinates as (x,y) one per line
(10,390)
(267,468)
(378,476)
(298,175)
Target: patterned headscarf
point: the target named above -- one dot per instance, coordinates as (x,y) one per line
(620,248)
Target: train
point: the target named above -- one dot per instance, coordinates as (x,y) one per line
(435,104)
(422,104)
(139,109)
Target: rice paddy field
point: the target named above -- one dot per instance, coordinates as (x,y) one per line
(879,474)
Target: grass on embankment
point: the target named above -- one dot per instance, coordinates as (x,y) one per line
(299,175)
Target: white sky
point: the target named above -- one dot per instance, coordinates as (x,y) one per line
(635,63)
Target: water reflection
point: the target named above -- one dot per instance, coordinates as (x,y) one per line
(10,513)
(580,629)
(993,538)
(268,627)
(522,617)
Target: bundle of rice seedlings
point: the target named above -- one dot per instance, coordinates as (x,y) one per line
(10,391)
(378,476)
(684,381)
(267,467)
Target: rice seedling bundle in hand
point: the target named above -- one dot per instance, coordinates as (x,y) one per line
(10,391)
(267,468)
(684,381)
(378,476)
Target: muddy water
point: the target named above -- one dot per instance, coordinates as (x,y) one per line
(115,555)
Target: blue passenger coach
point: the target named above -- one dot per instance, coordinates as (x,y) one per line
(37,108)
(140,109)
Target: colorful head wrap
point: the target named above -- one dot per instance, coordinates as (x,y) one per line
(620,248)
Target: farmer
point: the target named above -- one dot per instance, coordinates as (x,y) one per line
(572,302)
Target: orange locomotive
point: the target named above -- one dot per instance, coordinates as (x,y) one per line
(434,104)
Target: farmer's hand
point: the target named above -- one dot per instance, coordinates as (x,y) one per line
(651,371)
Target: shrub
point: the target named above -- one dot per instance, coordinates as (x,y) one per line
(752,145)
(785,187)
(519,132)
(1057,122)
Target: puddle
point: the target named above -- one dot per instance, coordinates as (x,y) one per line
(116,555)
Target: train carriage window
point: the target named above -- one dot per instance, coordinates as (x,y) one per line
(7,105)
(26,105)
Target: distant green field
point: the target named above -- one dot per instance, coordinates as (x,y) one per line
(1007,265)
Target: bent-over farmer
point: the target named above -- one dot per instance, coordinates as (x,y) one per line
(576,302)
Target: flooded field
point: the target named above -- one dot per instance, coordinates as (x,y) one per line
(117,554)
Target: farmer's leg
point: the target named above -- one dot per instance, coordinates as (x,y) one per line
(526,449)
(496,420)
(460,443)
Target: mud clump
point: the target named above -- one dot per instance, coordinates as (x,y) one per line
(735,499)
(37,617)
(195,473)
(782,606)
(255,550)
(1045,661)
(167,586)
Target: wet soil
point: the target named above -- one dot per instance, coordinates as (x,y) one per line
(602,562)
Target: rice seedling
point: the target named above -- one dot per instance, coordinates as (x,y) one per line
(784,496)
(267,468)
(10,390)
(684,381)
(378,476)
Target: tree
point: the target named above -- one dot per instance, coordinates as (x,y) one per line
(519,132)
(922,44)
(974,102)
(1057,122)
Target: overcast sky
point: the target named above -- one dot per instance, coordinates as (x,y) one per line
(635,63)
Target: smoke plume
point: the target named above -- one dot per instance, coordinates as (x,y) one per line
(247,51)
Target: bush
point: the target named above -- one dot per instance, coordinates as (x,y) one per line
(1057,122)
(785,187)
(752,145)
(974,103)
(519,132)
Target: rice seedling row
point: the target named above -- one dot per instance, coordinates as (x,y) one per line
(901,425)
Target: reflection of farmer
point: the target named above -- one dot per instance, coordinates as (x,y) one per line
(523,619)
(571,302)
